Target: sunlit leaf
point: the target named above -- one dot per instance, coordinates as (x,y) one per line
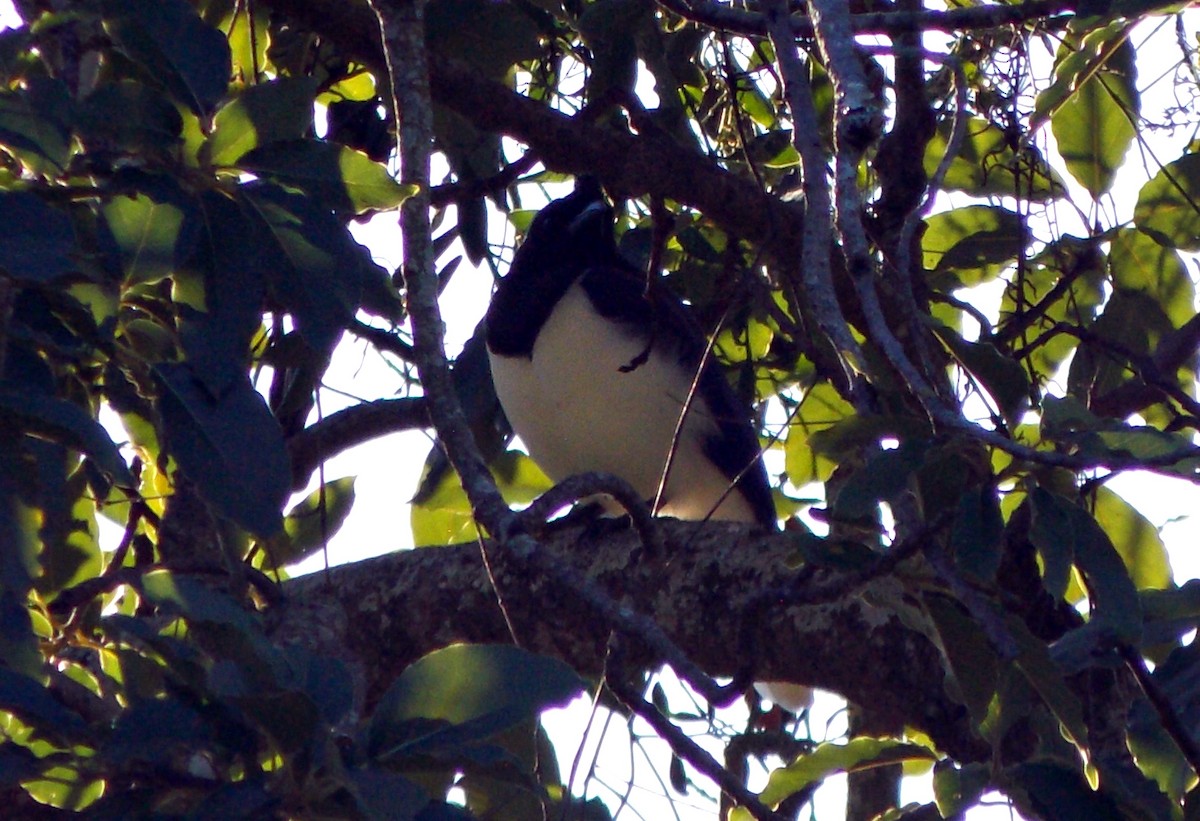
(1166,206)
(312,522)
(146,233)
(263,114)
(831,758)
(974,242)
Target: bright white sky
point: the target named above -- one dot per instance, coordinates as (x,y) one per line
(388,470)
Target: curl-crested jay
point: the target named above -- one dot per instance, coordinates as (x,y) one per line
(593,367)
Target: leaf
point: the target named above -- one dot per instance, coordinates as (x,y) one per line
(821,408)
(35,124)
(1178,679)
(1132,322)
(231,447)
(317,269)
(36,241)
(1002,376)
(974,242)
(1136,539)
(1139,264)
(344,180)
(1038,667)
(32,703)
(219,292)
(130,116)
(969,655)
(479,689)
(830,758)
(68,424)
(976,537)
(174,46)
(1061,793)
(956,789)
(383,794)
(188,597)
(146,233)
(884,476)
(262,114)
(1059,529)
(1094,126)
(989,165)
(156,730)
(1166,205)
(311,523)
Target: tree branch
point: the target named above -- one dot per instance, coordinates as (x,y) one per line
(349,427)
(382,614)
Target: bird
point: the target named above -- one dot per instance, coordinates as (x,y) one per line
(594,364)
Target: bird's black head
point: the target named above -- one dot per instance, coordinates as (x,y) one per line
(567,238)
(576,230)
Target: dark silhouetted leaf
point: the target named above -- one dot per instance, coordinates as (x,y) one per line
(35,123)
(479,689)
(1062,529)
(971,658)
(68,424)
(130,116)
(31,702)
(36,241)
(174,46)
(1001,376)
(231,447)
(342,179)
(975,538)
(1061,793)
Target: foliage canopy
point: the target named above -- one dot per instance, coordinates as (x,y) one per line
(941,317)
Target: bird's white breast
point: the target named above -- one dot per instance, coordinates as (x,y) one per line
(577,411)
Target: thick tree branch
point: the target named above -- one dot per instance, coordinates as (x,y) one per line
(384,613)
(349,427)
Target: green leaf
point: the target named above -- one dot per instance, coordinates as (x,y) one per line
(344,180)
(263,114)
(231,447)
(68,424)
(479,689)
(1002,376)
(974,242)
(1094,126)
(188,597)
(1136,539)
(1041,671)
(821,408)
(36,241)
(830,758)
(1133,322)
(955,789)
(1139,264)
(146,233)
(1061,527)
(311,523)
(989,165)
(1167,205)
(1178,679)
(174,46)
(1070,276)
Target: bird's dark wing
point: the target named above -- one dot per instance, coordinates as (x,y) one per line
(619,293)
